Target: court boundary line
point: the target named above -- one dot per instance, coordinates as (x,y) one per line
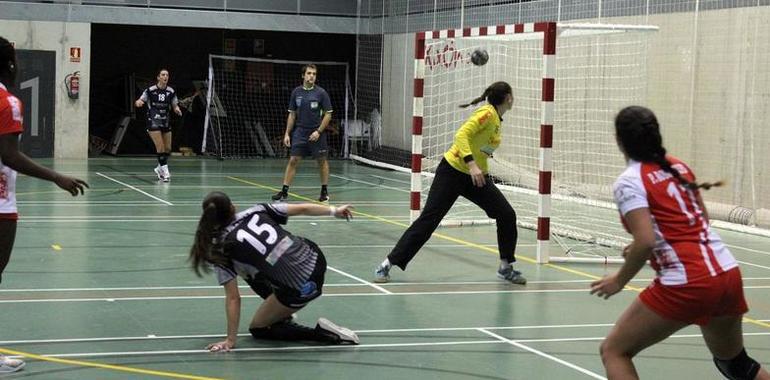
(543,354)
(343,347)
(363,332)
(367,283)
(167,203)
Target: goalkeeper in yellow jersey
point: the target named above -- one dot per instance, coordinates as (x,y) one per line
(464,171)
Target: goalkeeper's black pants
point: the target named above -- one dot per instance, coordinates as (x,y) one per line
(448,184)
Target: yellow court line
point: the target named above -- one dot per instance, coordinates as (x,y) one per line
(105,366)
(469,244)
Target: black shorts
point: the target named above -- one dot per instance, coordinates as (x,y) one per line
(158,125)
(303,147)
(312,289)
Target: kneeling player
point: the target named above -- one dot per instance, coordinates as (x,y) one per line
(286,270)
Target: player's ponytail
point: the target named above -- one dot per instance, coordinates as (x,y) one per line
(207,248)
(638,134)
(495,94)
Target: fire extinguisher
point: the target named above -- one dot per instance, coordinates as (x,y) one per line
(72,82)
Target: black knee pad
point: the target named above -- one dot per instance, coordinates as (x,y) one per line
(741,367)
(260,332)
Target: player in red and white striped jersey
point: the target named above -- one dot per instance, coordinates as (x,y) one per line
(11,161)
(698,280)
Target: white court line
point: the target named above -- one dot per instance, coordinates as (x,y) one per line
(747,249)
(362,332)
(753,265)
(344,285)
(201,336)
(370,183)
(379,288)
(134,188)
(543,354)
(350,347)
(391,179)
(389,294)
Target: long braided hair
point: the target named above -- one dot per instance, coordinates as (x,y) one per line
(638,133)
(494,94)
(208,248)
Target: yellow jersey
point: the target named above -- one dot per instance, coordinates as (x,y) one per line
(479,136)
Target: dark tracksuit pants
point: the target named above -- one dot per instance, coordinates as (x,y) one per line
(448,184)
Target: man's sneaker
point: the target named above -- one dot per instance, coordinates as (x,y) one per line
(280,196)
(159,172)
(166,173)
(324,197)
(8,365)
(382,274)
(343,335)
(512,275)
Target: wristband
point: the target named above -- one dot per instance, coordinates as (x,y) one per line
(332,211)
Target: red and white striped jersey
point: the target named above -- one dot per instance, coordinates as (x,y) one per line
(687,248)
(11,118)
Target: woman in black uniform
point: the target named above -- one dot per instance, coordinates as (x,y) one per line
(286,270)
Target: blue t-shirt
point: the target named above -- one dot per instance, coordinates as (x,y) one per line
(310,106)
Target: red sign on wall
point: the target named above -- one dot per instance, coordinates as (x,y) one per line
(75,54)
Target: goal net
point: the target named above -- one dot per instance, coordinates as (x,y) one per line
(248,101)
(558,158)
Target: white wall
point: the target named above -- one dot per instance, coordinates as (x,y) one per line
(71,122)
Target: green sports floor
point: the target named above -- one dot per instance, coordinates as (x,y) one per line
(98,287)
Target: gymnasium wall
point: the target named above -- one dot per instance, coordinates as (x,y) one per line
(71,116)
(708,84)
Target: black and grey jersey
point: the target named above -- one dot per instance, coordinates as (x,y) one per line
(159,101)
(257,239)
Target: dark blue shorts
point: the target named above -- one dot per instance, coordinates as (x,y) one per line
(303,147)
(312,289)
(158,125)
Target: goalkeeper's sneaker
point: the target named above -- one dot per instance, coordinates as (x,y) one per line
(324,197)
(512,275)
(343,335)
(382,274)
(280,196)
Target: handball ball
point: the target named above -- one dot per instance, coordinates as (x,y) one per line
(479,57)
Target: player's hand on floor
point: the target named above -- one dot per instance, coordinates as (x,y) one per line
(223,346)
(344,211)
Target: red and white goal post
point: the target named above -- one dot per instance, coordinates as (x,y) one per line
(558,157)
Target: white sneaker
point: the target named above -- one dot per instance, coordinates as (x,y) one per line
(159,172)
(8,365)
(345,335)
(166,173)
